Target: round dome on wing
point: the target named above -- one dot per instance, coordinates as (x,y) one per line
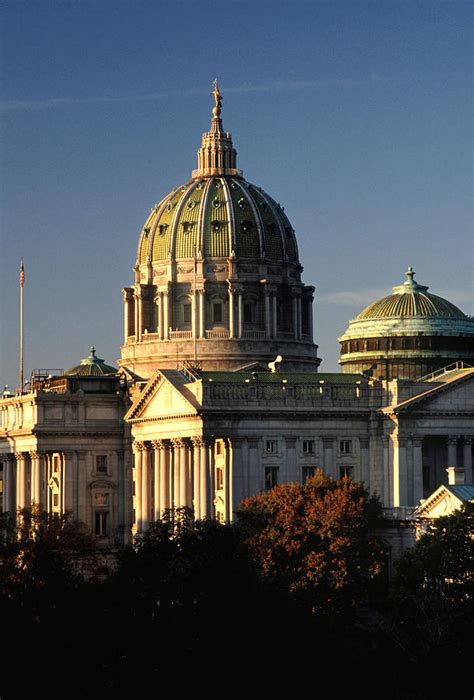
(410,299)
(91,366)
(407,334)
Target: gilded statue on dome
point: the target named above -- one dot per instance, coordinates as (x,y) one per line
(217,98)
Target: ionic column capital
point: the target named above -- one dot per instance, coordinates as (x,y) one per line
(453,439)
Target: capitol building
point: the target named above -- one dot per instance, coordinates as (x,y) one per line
(218,394)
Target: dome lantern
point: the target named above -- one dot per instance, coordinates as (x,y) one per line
(217,155)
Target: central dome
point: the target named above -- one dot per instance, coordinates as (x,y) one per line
(217,277)
(217,217)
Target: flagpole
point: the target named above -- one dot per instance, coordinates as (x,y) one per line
(22,280)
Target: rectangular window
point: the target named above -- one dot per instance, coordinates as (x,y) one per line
(101,464)
(307,473)
(101,523)
(55,500)
(217,313)
(271,477)
(219,478)
(346,471)
(56,464)
(248,313)
(271,447)
(345,447)
(186,313)
(308,447)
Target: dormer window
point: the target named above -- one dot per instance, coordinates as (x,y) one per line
(162,229)
(246,226)
(187,227)
(216,226)
(242,203)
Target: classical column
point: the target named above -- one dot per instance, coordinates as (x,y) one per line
(295,313)
(201,313)
(197,443)
(166,314)
(8,485)
(138,448)
(126,312)
(274,315)
(231,312)
(387,492)
(21,480)
(37,478)
(176,442)
(452,450)
(417,443)
(194,319)
(183,475)
(268,330)
(165,481)
(159,323)
(138,314)
(146,496)
(310,300)
(205,474)
(399,462)
(467,459)
(157,478)
(228,490)
(240,318)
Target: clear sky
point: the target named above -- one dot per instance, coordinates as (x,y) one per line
(355,115)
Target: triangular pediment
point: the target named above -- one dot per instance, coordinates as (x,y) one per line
(451,396)
(442,502)
(161,398)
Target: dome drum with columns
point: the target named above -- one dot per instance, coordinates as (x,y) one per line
(407,334)
(217,278)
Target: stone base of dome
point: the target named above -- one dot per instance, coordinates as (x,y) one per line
(220,355)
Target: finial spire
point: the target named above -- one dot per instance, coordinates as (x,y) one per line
(410,273)
(217,155)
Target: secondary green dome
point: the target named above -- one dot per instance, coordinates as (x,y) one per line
(91,366)
(410,299)
(407,334)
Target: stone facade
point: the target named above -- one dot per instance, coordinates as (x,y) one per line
(194,417)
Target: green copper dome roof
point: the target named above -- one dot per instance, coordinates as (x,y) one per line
(91,366)
(217,217)
(410,299)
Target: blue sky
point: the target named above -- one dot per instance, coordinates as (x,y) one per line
(356,116)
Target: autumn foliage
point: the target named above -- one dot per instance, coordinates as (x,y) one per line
(313,541)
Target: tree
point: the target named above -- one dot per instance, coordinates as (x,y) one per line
(312,542)
(433,591)
(44,553)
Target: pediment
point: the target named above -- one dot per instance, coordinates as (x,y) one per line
(452,396)
(160,398)
(442,502)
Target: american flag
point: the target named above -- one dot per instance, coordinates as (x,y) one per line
(22,274)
